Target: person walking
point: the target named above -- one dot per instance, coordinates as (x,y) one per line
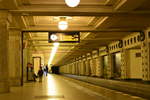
(40,74)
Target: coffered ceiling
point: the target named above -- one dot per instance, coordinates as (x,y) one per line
(99,22)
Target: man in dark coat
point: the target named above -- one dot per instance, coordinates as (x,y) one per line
(40,74)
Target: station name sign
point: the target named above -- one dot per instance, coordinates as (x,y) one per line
(64,37)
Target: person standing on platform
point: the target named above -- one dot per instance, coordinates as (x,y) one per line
(40,74)
(33,73)
(46,70)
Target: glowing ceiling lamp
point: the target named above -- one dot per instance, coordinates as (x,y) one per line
(63,25)
(72,3)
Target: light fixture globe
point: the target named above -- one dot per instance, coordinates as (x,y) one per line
(62,25)
(72,3)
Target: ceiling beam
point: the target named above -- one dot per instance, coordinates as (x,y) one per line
(32,10)
(82,30)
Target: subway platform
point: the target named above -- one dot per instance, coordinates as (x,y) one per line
(55,87)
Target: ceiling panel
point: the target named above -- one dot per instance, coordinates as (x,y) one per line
(53,20)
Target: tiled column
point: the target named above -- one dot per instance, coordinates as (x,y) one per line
(91,67)
(65,69)
(87,72)
(100,63)
(98,69)
(88,66)
(15,57)
(74,67)
(4,37)
(71,65)
(95,63)
(82,67)
(79,65)
(145,51)
(124,64)
(69,68)
(77,68)
(74,70)
(110,66)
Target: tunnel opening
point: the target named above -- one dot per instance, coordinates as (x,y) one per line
(55,70)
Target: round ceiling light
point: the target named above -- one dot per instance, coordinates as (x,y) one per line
(72,3)
(62,25)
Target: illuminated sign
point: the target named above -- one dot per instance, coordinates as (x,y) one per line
(68,37)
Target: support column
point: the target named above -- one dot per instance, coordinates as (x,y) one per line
(79,65)
(74,68)
(110,66)
(88,66)
(77,68)
(84,66)
(98,67)
(101,69)
(91,67)
(4,37)
(15,57)
(125,64)
(145,52)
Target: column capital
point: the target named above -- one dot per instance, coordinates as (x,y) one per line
(15,32)
(5,19)
(5,15)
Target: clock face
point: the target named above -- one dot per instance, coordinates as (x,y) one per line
(54,37)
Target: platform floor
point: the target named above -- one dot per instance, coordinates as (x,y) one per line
(53,87)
